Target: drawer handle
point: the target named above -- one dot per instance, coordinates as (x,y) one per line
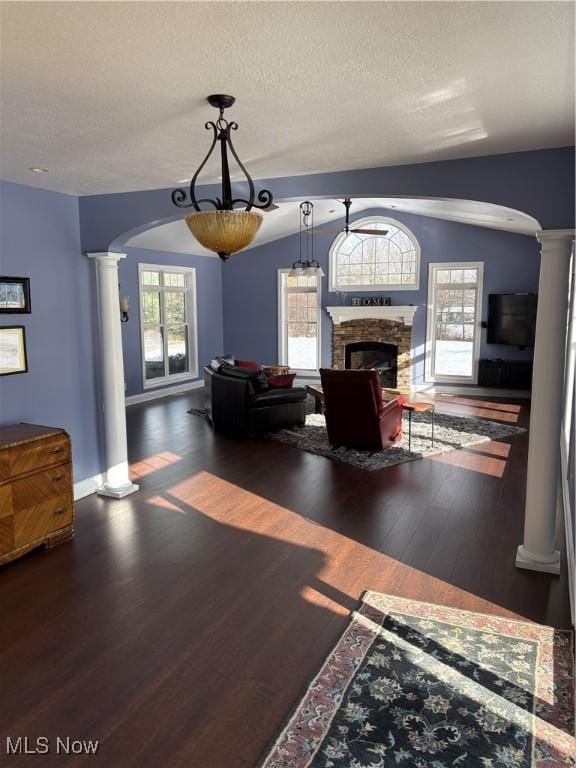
(56,478)
(58,449)
(60,511)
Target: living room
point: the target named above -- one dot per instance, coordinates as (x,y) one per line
(308,498)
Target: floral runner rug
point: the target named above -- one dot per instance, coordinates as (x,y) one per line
(419,685)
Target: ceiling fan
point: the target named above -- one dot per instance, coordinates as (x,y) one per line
(347,202)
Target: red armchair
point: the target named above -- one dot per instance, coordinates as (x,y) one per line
(356,416)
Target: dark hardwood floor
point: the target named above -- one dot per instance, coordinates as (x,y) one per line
(181,625)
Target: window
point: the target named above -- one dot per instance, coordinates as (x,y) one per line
(299,321)
(370,262)
(453,324)
(168,324)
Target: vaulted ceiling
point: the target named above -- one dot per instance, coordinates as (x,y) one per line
(109,97)
(284,220)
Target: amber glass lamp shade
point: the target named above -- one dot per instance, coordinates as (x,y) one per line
(224,232)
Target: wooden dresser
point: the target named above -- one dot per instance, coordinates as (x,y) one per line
(36,500)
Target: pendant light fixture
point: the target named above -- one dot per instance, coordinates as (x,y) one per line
(306,266)
(225,229)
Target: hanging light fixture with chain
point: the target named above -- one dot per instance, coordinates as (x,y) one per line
(225,229)
(306,265)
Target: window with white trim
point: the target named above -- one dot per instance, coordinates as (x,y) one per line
(299,321)
(453,323)
(168,324)
(390,262)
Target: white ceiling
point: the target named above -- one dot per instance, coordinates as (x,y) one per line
(110,96)
(285,220)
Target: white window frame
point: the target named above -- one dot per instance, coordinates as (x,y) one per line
(568,434)
(192,320)
(430,328)
(282,337)
(366,222)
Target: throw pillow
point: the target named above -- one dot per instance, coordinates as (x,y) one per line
(282,381)
(248,364)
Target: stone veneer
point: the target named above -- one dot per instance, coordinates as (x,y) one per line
(386,331)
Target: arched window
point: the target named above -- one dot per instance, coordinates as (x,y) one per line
(390,262)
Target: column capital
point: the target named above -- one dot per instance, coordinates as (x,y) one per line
(107,257)
(555,237)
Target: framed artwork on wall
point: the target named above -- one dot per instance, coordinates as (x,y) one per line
(14,295)
(13,357)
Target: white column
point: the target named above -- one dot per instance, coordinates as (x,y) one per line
(538,551)
(117,481)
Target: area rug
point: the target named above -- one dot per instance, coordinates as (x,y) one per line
(419,685)
(450,433)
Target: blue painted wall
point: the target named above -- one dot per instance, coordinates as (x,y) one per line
(511,263)
(540,183)
(209,309)
(40,239)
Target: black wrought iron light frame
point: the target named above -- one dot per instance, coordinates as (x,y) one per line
(222,130)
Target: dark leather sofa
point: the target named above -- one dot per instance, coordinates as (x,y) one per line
(356,416)
(239,401)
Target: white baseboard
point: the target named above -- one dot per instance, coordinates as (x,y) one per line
(156,394)
(86,487)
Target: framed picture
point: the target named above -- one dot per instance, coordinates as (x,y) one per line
(13,350)
(14,295)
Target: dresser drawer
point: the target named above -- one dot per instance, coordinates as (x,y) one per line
(41,486)
(38,454)
(35,522)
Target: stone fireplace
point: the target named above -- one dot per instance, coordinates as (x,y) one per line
(374,337)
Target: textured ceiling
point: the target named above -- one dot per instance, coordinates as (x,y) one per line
(110,96)
(285,220)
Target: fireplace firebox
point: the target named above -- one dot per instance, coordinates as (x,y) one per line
(366,355)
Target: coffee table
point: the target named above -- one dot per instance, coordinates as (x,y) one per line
(413,406)
(315,391)
(410,406)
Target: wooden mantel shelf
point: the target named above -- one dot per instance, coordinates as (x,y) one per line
(404,314)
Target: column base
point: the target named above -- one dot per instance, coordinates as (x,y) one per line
(535,562)
(119,492)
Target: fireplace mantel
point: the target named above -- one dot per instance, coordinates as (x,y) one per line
(403,314)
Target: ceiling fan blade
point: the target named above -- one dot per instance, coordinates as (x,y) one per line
(328,231)
(271,207)
(380,232)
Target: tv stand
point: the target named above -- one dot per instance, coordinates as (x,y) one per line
(505,374)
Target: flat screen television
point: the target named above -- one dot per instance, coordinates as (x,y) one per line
(512,319)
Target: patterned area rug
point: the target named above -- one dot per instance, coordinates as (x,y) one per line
(424,686)
(450,433)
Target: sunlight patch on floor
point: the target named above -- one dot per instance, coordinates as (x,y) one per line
(153,464)
(484,409)
(473,460)
(348,567)
(492,448)
(321,600)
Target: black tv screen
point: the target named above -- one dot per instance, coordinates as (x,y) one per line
(512,319)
